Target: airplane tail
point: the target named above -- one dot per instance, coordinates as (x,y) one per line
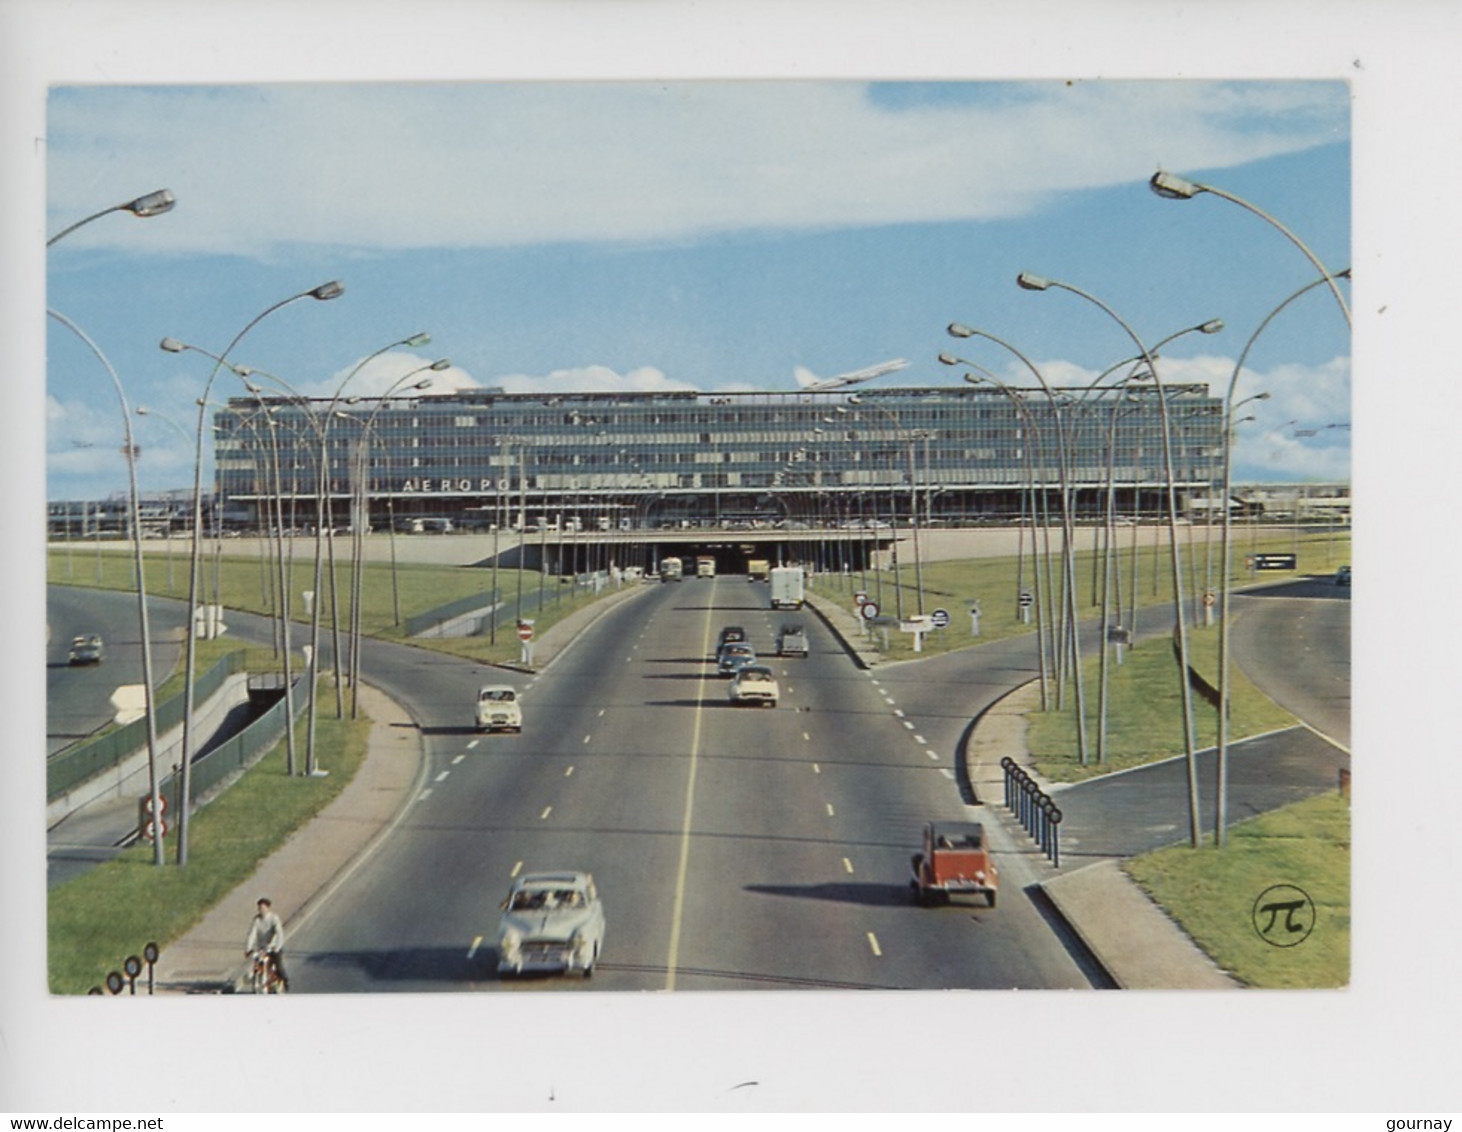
(805,376)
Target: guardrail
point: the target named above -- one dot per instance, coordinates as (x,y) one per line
(70,768)
(1033,808)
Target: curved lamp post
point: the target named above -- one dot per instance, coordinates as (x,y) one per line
(1170,186)
(131,453)
(1030,282)
(986,377)
(359,522)
(1225,555)
(325,291)
(152,204)
(1068,531)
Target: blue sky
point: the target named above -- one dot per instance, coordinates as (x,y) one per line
(691,234)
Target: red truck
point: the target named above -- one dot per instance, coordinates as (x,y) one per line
(956,860)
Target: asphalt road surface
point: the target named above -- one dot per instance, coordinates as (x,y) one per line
(735,848)
(78,699)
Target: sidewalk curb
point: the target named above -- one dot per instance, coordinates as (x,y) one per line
(302,872)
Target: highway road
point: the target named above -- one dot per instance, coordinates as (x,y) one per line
(741,847)
(1293,640)
(735,848)
(78,700)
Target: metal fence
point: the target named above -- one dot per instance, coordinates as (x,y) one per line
(68,769)
(237,754)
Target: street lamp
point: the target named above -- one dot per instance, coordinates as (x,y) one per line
(130,451)
(324,292)
(361,519)
(1225,554)
(985,377)
(151,204)
(1170,186)
(1031,282)
(1068,549)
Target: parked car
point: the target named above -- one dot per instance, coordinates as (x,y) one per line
(498,708)
(1342,576)
(552,921)
(733,657)
(956,861)
(754,684)
(86,649)
(792,640)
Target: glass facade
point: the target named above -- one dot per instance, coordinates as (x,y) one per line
(479,457)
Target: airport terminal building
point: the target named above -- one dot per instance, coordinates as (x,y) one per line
(938,455)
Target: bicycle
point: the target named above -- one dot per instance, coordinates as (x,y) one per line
(264,976)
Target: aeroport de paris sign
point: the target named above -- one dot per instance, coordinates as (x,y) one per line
(448,485)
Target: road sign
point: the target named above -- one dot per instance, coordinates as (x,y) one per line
(151,830)
(940,618)
(525,631)
(1027,599)
(861,597)
(162,804)
(1273,561)
(869,610)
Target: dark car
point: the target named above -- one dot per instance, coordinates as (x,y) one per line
(733,656)
(731,634)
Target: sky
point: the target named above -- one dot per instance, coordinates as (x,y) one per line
(690,234)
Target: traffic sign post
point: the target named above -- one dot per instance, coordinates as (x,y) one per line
(146,826)
(974,618)
(1027,599)
(525,635)
(940,618)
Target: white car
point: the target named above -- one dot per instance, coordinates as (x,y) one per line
(551,922)
(754,683)
(498,708)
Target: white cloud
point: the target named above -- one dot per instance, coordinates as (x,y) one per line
(593,379)
(412,165)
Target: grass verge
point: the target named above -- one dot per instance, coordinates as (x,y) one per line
(1144,712)
(98,919)
(1213,894)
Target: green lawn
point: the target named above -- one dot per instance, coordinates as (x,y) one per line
(995,583)
(244,583)
(95,921)
(1213,893)
(1144,712)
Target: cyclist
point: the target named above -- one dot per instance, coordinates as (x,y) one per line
(266,934)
